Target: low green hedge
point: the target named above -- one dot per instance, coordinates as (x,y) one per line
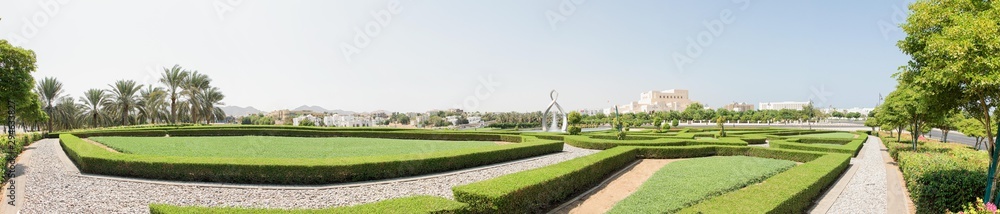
(815,140)
(542,189)
(93,159)
(538,190)
(792,191)
(414,205)
(588,142)
(853,147)
(940,176)
(754,139)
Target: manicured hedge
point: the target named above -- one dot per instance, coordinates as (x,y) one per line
(940,176)
(588,142)
(754,139)
(407,205)
(542,189)
(792,191)
(95,160)
(853,147)
(538,190)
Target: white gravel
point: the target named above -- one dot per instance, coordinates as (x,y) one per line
(50,188)
(866,192)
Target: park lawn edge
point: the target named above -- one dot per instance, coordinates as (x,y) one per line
(93,159)
(406,205)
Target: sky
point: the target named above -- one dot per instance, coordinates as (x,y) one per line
(506,55)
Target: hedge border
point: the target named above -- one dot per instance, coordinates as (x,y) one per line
(853,147)
(541,189)
(93,159)
(406,205)
(588,142)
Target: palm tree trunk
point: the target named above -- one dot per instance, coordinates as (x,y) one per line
(49,112)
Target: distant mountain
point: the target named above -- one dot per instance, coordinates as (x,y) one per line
(321,109)
(237,111)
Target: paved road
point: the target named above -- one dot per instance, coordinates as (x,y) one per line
(954,137)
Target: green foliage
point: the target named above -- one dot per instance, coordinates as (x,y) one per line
(592,142)
(574,130)
(16,83)
(513,125)
(538,190)
(940,176)
(407,205)
(96,160)
(835,145)
(792,191)
(684,183)
(307,123)
(675,123)
(280,147)
(573,118)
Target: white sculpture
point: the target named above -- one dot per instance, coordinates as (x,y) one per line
(553,127)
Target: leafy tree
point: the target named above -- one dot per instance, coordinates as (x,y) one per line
(675,123)
(721,123)
(872,122)
(694,111)
(837,114)
(307,122)
(809,113)
(953,46)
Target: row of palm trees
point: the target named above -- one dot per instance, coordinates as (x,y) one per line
(185,97)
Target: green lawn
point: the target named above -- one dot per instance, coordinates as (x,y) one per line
(684,183)
(828,135)
(280,147)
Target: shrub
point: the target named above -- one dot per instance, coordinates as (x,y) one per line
(594,142)
(538,190)
(414,204)
(853,147)
(754,139)
(574,130)
(940,176)
(93,159)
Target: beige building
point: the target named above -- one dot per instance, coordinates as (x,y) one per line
(783,105)
(738,106)
(653,101)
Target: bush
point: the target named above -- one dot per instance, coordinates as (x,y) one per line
(940,176)
(96,160)
(754,139)
(853,147)
(574,130)
(414,204)
(597,142)
(539,190)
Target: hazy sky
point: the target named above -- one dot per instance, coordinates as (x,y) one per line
(422,55)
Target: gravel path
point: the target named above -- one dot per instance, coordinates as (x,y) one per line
(50,188)
(866,192)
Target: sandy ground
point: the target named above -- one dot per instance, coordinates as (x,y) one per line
(618,189)
(101,145)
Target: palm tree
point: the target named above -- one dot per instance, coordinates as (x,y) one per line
(193,87)
(123,95)
(174,78)
(94,99)
(49,89)
(69,113)
(209,98)
(151,103)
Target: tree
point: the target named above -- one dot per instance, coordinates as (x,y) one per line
(675,123)
(721,123)
(837,114)
(175,78)
(872,122)
(694,111)
(193,87)
(307,122)
(49,89)
(94,100)
(123,95)
(952,46)
(809,113)
(151,102)
(16,97)
(574,118)
(209,98)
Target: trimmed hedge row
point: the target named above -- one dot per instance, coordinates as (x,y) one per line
(853,147)
(792,191)
(153,131)
(538,190)
(541,189)
(407,205)
(588,142)
(940,176)
(93,159)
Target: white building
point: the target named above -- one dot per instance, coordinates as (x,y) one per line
(652,101)
(297,120)
(782,105)
(339,120)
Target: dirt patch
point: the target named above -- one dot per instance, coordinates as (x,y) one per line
(502,143)
(619,188)
(101,145)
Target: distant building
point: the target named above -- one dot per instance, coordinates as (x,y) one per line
(782,105)
(314,119)
(653,101)
(738,106)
